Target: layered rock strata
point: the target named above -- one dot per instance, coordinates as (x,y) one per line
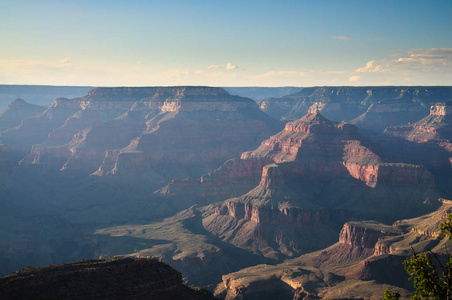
(367,259)
(427,142)
(166,132)
(305,191)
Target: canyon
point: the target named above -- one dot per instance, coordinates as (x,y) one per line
(311,194)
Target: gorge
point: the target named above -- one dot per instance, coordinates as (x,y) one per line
(316,194)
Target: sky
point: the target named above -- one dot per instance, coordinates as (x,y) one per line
(226,43)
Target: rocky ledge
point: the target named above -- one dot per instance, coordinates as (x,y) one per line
(364,235)
(114,278)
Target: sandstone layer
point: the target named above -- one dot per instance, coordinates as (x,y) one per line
(305,193)
(365,261)
(163,132)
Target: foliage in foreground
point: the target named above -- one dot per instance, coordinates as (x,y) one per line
(428,282)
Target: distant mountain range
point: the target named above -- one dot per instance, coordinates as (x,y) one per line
(45,94)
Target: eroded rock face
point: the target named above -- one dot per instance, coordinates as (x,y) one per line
(115,278)
(321,148)
(281,216)
(273,232)
(369,254)
(437,126)
(173,132)
(360,236)
(427,142)
(36,129)
(390,113)
(298,197)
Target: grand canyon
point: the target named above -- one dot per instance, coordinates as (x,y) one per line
(297,193)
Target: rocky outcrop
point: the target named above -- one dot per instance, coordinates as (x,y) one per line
(298,194)
(369,255)
(383,249)
(356,235)
(114,278)
(281,216)
(304,134)
(321,148)
(437,126)
(273,232)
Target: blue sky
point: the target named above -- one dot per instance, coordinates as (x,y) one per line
(226,43)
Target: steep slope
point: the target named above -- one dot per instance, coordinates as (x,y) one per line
(195,132)
(366,260)
(427,142)
(17,111)
(386,113)
(322,142)
(323,175)
(161,132)
(36,129)
(436,127)
(98,106)
(114,278)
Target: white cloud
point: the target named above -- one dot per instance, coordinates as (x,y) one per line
(354,78)
(342,38)
(373,66)
(410,67)
(405,67)
(230,66)
(65,60)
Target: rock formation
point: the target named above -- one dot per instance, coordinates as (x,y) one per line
(17,111)
(254,204)
(195,132)
(437,126)
(366,260)
(387,113)
(170,132)
(305,192)
(427,142)
(114,278)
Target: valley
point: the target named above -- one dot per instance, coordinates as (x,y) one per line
(314,194)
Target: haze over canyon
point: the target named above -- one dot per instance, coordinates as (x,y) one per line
(298,193)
